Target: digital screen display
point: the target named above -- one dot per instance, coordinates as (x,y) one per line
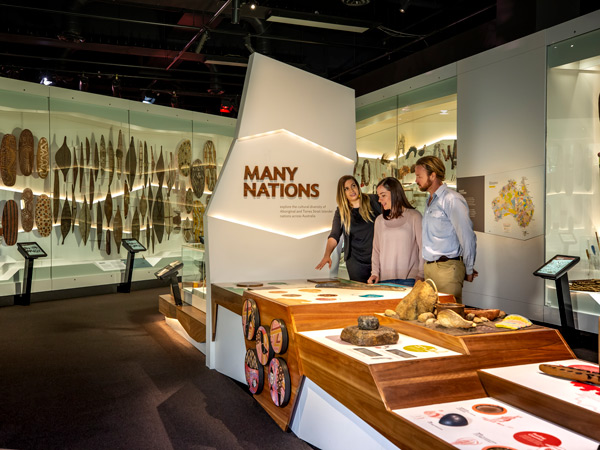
(31,250)
(557,266)
(133,245)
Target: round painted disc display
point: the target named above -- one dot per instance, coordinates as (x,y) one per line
(249,284)
(279,336)
(250,318)
(263,347)
(255,373)
(486,408)
(279,382)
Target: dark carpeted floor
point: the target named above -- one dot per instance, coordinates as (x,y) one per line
(105,372)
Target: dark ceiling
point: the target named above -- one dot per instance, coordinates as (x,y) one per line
(163,48)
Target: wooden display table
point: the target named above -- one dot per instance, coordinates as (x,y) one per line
(373,389)
(191,318)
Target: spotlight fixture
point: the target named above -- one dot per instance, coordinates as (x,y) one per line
(252,5)
(46,80)
(150,99)
(116,86)
(404,5)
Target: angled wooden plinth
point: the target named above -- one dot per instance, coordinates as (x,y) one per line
(565,414)
(191,319)
(225,298)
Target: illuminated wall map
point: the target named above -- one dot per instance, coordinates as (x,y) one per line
(514,203)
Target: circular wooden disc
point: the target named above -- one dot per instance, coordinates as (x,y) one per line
(197,178)
(43,215)
(280,384)
(278,336)
(184,157)
(250,318)
(263,346)
(248,284)
(10,222)
(255,374)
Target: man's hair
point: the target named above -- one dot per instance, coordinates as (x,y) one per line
(433,164)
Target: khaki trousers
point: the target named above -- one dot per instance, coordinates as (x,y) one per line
(448,276)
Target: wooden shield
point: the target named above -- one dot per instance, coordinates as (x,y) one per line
(119,155)
(197,178)
(143,205)
(26,152)
(108,239)
(63,159)
(73,209)
(87,152)
(8,160)
(146,162)
(56,196)
(135,225)
(118,228)
(184,157)
(160,169)
(43,158)
(91,189)
(96,161)
(85,221)
(130,163)
(10,222)
(110,160)
(198,216)
(75,167)
(140,169)
(152,165)
(125,198)
(188,231)
(65,219)
(43,215)
(189,200)
(211,177)
(148,232)
(27,213)
(81,166)
(98,224)
(171,174)
(150,200)
(168,216)
(158,216)
(108,207)
(102,154)
(210,153)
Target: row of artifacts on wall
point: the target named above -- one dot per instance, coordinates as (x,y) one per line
(403,163)
(133,169)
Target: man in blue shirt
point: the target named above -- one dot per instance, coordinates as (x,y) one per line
(449,243)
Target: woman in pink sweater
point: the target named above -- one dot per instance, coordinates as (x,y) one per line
(397,252)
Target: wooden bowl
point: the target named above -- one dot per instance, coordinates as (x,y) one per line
(456,307)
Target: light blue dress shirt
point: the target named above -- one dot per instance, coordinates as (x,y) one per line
(447,228)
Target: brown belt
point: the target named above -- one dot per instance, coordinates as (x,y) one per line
(444,259)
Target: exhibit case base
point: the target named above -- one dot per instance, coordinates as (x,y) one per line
(192,320)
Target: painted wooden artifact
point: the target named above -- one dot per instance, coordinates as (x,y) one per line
(65,219)
(125,198)
(189,200)
(150,200)
(10,222)
(158,216)
(130,163)
(198,216)
(140,169)
(280,385)
(152,165)
(56,196)
(26,155)
(87,152)
(135,225)
(108,239)
(118,228)
(211,177)
(119,154)
(98,224)
(85,221)
(143,204)
(75,167)
(188,231)
(148,232)
(81,167)
(96,161)
(108,207)
(102,161)
(63,159)
(153,238)
(160,169)
(91,189)
(43,158)
(43,215)
(197,178)
(184,157)
(181,192)
(171,174)
(27,213)
(168,216)
(146,162)
(110,160)
(8,160)
(210,153)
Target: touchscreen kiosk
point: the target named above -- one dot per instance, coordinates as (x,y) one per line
(132,246)
(169,272)
(557,267)
(30,251)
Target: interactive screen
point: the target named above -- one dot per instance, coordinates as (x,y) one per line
(557,266)
(31,250)
(133,245)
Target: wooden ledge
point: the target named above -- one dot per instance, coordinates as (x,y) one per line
(191,318)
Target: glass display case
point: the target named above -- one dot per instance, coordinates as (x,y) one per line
(572,165)
(193,276)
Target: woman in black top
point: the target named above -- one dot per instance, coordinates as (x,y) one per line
(354,217)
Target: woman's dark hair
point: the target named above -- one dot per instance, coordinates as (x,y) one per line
(399,199)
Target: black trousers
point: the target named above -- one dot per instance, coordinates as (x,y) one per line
(357,270)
